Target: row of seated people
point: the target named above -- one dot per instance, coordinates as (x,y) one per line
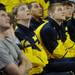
(48,44)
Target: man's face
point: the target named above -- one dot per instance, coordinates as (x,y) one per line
(36,10)
(68,11)
(23,13)
(4,19)
(59,12)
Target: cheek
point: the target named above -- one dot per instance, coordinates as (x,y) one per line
(2,21)
(58,17)
(21,15)
(69,13)
(34,12)
(65,13)
(56,14)
(25,15)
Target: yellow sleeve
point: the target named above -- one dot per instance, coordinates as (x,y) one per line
(36,57)
(66,49)
(70,46)
(60,50)
(32,55)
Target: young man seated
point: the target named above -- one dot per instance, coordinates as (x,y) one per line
(12,60)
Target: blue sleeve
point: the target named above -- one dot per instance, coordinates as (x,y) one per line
(71,29)
(19,35)
(60,65)
(49,38)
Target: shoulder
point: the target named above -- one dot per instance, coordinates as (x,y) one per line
(18,30)
(18,34)
(47,28)
(2,44)
(71,22)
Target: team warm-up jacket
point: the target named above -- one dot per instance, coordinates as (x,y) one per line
(71,28)
(36,26)
(53,36)
(34,23)
(32,48)
(58,42)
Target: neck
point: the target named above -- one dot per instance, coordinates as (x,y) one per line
(24,23)
(2,35)
(3,32)
(36,18)
(57,20)
(10,33)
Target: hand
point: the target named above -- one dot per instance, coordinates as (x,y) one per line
(28,64)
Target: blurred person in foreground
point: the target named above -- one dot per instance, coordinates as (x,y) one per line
(12,61)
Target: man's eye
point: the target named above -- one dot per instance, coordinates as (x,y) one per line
(36,6)
(22,9)
(60,9)
(3,15)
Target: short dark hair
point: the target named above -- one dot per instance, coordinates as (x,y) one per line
(30,4)
(2,7)
(53,6)
(69,3)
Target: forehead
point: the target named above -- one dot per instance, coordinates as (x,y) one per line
(36,4)
(58,6)
(22,7)
(2,12)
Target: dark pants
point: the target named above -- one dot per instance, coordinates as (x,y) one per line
(57,73)
(60,65)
